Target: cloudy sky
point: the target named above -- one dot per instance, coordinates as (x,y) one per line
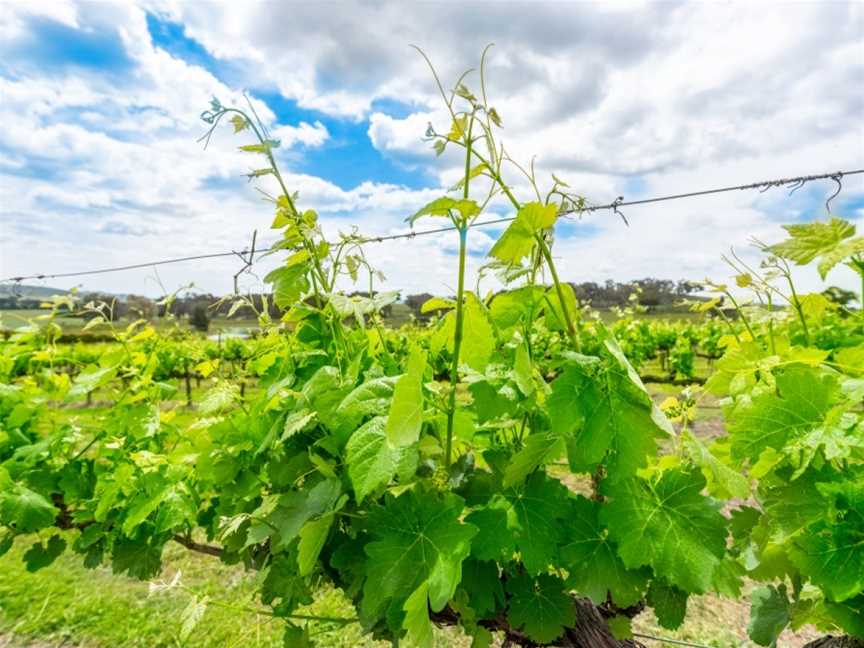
(100,104)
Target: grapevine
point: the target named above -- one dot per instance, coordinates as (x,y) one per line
(413,469)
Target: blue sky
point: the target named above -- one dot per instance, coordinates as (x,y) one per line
(51,47)
(348,159)
(99,162)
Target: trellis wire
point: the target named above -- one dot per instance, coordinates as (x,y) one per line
(794,182)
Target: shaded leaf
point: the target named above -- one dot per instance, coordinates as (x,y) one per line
(540,607)
(26,510)
(41,555)
(592,560)
(669,603)
(769,614)
(313,535)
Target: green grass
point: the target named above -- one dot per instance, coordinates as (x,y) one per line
(67,603)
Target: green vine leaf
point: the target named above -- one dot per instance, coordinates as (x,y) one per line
(417,623)
(540,607)
(7,539)
(478,342)
(417,539)
(527,518)
(437,304)
(848,615)
(669,603)
(264,147)
(478,170)
(601,409)
(145,502)
(482,583)
(769,614)
(845,250)
(372,461)
(831,551)
(24,509)
(820,239)
(517,241)
(406,410)
(539,449)
(771,419)
(458,129)
(666,523)
(592,560)
(280,517)
(444,206)
(239,122)
(41,555)
(313,535)
(723,481)
(141,559)
(368,399)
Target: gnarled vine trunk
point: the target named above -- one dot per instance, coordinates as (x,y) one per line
(836,642)
(589,631)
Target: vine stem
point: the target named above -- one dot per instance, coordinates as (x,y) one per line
(544,250)
(571,329)
(742,315)
(323,619)
(308,245)
(457,345)
(460,310)
(798,308)
(771,324)
(858,263)
(376,321)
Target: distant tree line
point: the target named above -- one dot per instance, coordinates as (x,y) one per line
(654,293)
(13,302)
(199,308)
(650,292)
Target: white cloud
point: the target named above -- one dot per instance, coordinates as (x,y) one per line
(402,135)
(309,135)
(12,15)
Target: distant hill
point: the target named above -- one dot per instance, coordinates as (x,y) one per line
(29,292)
